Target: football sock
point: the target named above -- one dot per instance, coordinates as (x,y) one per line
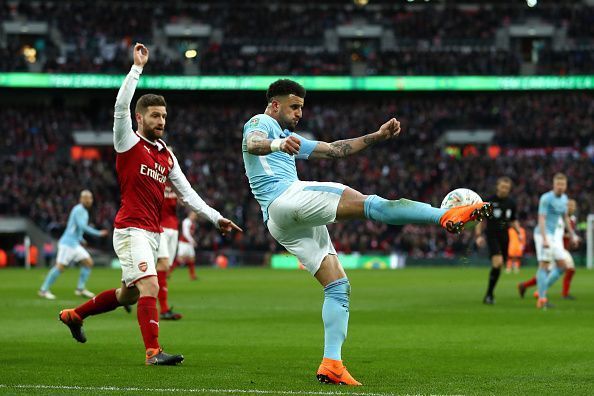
(83,277)
(192,268)
(148,320)
(401,211)
(103,302)
(541,281)
(50,278)
(493,278)
(335,314)
(567,281)
(162,296)
(554,274)
(531,282)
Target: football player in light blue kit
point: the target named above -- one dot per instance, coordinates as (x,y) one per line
(297,212)
(549,244)
(70,249)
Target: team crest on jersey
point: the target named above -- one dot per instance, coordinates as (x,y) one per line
(254,122)
(143,267)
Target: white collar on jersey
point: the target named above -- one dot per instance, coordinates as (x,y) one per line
(159,144)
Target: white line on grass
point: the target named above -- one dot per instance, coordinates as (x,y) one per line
(182,390)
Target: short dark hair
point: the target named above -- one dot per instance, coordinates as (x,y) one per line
(143,103)
(284,87)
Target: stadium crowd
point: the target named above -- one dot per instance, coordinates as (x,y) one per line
(41,180)
(261,38)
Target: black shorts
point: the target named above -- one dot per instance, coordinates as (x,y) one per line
(498,243)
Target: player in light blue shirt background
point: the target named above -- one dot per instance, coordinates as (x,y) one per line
(552,207)
(296,212)
(71,251)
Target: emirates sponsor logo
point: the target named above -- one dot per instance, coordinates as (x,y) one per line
(143,267)
(156,173)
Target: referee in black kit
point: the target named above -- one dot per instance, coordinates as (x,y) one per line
(504,216)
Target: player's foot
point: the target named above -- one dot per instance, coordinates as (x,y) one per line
(156,357)
(84,293)
(74,322)
(569,297)
(489,300)
(170,315)
(127,308)
(544,304)
(508,270)
(522,289)
(535,294)
(333,372)
(516,270)
(193,277)
(454,219)
(46,294)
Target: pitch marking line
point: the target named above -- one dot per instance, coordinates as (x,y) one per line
(182,390)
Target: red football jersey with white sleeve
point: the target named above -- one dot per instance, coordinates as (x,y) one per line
(142,174)
(566,238)
(169,209)
(188,231)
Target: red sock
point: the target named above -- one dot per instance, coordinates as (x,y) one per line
(101,303)
(162,296)
(192,268)
(531,282)
(148,319)
(567,281)
(173,266)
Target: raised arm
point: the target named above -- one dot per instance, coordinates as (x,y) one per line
(123,135)
(344,148)
(190,198)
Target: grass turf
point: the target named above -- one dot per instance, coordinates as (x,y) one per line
(412,331)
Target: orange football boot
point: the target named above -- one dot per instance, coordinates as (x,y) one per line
(542,303)
(74,322)
(333,372)
(454,219)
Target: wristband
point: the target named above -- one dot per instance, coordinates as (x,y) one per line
(275,145)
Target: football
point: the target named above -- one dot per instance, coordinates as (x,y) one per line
(460,197)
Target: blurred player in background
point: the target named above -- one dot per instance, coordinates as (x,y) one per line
(552,206)
(515,251)
(561,232)
(143,164)
(186,253)
(504,216)
(166,252)
(71,251)
(297,212)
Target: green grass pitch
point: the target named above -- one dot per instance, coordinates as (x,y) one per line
(259,331)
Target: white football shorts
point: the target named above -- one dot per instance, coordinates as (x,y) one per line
(185,249)
(68,255)
(137,251)
(555,251)
(298,218)
(168,244)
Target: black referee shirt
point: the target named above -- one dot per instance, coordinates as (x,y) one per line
(504,212)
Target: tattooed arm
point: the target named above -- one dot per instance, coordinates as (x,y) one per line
(257,143)
(344,148)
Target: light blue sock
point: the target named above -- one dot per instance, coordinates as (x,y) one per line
(541,282)
(50,278)
(401,211)
(82,278)
(554,274)
(335,314)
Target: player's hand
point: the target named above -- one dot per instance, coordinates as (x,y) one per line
(545,244)
(480,241)
(226,226)
(141,55)
(390,129)
(574,241)
(103,233)
(290,145)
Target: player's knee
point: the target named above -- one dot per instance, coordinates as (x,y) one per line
(60,267)
(88,263)
(162,264)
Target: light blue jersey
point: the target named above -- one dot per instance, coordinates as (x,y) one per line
(270,175)
(553,207)
(78,223)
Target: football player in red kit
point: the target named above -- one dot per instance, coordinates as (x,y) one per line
(143,164)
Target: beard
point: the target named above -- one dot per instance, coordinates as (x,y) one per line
(152,134)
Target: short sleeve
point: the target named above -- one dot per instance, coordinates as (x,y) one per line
(258,123)
(543,203)
(307,146)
